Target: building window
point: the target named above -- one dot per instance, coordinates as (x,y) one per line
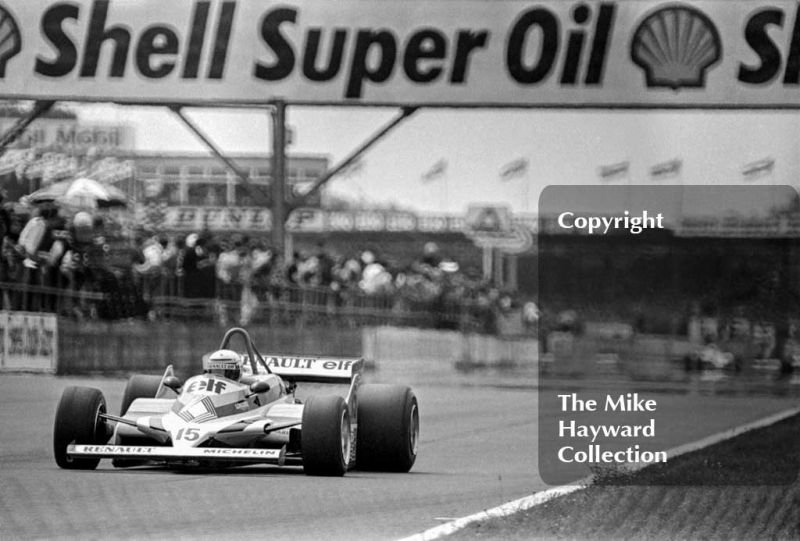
(205,194)
(218,172)
(252,196)
(173,192)
(194,170)
(171,171)
(147,171)
(261,173)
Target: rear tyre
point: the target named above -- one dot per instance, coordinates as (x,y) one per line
(78,420)
(325,437)
(388,428)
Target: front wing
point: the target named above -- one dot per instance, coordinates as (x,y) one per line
(172,454)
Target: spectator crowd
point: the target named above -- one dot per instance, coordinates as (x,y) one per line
(86,265)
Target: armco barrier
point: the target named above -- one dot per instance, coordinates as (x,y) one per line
(654,357)
(393,352)
(432,353)
(97,347)
(640,356)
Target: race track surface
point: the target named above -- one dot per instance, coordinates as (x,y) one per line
(478,451)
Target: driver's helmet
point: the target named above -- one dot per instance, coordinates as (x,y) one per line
(224,363)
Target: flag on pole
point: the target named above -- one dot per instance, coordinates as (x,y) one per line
(514,169)
(758,169)
(668,169)
(436,171)
(614,171)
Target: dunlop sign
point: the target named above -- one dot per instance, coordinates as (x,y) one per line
(738,53)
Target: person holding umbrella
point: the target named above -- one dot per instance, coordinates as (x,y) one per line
(41,249)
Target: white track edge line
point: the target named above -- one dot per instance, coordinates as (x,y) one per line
(539,498)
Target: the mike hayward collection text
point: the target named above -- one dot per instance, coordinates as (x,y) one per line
(594,453)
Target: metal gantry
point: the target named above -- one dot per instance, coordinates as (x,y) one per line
(283,201)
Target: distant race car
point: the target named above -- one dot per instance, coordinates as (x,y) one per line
(711,357)
(245,409)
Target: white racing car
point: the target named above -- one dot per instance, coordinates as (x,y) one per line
(244,409)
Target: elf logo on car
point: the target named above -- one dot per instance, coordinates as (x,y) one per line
(10,39)
(209,385)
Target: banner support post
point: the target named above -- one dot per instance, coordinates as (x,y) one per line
(12,134)
(278,191)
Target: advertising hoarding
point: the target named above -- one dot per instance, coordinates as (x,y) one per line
(737,54)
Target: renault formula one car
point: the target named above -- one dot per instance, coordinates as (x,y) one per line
(244,409)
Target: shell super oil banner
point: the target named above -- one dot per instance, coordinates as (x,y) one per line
(397,52)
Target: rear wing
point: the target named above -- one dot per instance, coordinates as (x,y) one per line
(312,369)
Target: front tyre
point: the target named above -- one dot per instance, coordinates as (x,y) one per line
(78,420)
(388,428)
(325,437)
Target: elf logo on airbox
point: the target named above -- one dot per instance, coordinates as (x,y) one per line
(157,49)
(675,46)
(10,39)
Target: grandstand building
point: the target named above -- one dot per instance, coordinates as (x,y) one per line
(201,180)
(59,146)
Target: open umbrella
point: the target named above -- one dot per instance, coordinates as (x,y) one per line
(80,193)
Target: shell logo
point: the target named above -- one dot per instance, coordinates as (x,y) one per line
(675,46)
(10,39)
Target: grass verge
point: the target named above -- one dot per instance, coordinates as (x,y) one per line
(743,488)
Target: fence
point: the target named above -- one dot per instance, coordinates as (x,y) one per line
(140,346)
(392,353)
(117,296)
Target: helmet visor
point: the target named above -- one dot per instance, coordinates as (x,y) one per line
(232,373)
(230,370)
